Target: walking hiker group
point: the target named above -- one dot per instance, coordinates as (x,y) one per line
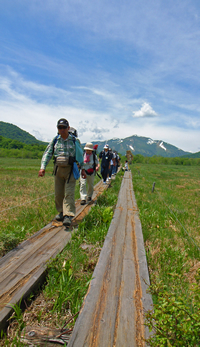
(67,152)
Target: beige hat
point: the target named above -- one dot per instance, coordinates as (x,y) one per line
(106,147)
(89,146)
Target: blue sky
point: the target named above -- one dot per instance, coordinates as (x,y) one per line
(112,68)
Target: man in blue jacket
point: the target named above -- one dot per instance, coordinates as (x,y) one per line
(105,157)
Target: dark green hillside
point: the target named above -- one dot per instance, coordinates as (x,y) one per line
(192,155)
(15,133)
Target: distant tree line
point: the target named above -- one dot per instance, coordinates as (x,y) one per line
(138,158)
(16,149)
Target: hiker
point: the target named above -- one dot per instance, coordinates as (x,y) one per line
(105,157)
(66,150)
(113,163)
(91,166)
(126,165)
(117,161)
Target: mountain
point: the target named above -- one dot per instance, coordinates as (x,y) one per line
(137,144)
(142,145)
(15,133)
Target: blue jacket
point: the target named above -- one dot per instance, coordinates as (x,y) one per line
(106,158)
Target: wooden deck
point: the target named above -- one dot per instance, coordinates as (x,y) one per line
(23,267)
(113,310)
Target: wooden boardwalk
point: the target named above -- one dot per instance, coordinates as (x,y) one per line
(112,314)
(23,267)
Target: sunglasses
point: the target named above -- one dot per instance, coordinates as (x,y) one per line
(61,127)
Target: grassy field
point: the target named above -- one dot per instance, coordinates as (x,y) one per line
(69,274)
(171,227)
(170,217)
(27,201)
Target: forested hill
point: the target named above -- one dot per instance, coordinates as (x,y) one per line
(16,149)
(15,133)
(192,155)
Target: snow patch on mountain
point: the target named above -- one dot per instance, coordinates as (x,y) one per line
(150,142)
(131,147)
(162,146)
(115,138)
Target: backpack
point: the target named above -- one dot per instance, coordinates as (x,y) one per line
(73,132)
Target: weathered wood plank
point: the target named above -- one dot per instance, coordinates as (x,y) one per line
(31,260)
(112,312)
(23,267)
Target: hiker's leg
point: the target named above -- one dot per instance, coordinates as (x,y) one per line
(110,171)
(106,171)
(83,191)
(90,182)
(69,198)
(59,186)
(104,174)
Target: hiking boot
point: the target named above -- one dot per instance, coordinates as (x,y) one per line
(83,202)
(59,217)
(67,221)
(89,199)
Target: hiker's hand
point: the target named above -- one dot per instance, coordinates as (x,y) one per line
(97,168)
(41,173)
(83,173)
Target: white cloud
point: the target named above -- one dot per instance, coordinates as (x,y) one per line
(37,135)
(96,112)
(145,111)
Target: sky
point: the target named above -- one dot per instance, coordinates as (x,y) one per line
(112,68)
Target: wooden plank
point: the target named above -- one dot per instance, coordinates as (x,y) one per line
(112,312)
(25,251)
(31,260)
(23,267)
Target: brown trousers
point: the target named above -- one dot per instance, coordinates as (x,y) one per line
(65,192)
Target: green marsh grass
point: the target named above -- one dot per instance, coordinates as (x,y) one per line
(27,201)
(171,227)
(69,274)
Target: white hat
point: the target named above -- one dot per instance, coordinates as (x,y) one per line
(106,147)
(89,146)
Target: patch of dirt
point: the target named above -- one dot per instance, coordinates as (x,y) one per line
(38,314)
(195,267)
